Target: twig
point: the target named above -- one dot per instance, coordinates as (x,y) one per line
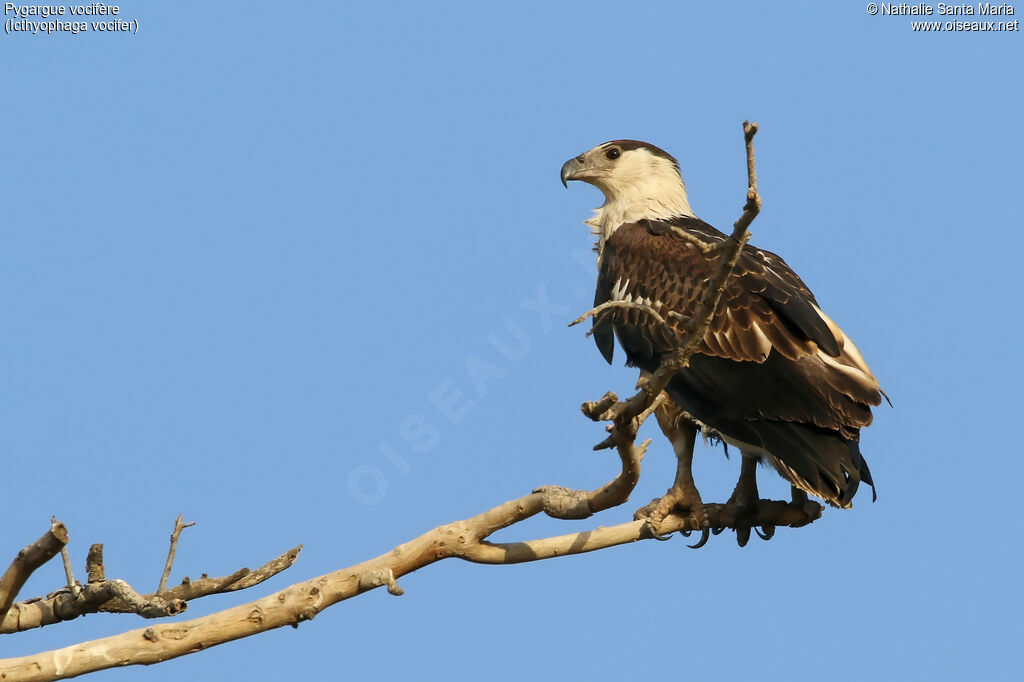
(175,534)
(27,561)
(97,597)
(635,305)
(705,247)
(69,572)
(267,570)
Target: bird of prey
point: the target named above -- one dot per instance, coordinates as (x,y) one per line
(774,376)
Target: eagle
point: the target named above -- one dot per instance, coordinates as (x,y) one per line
(774,376)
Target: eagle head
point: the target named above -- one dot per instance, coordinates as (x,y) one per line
(638,181)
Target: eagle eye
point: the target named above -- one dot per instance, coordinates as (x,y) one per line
(613,153)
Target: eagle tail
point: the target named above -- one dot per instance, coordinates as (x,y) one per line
(818,461)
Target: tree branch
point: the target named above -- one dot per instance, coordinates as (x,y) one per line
(65,556)
(303,601)
(465,540)
(635,305)
(27,561)
(94,570)
(175,534)
(117,596)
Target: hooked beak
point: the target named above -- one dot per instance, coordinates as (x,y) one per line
(571,168)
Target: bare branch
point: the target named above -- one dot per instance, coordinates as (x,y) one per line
(264,572)
(27,561)
(149,606)
(69,573)
(175,534)
(770,513)
(636,305)
(303,601)
(101,596)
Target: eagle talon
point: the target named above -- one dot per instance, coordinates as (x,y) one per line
(765,532)
(744,499)
(704,536)
(649,525)
(742,535)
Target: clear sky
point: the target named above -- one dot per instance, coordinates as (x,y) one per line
(242,249)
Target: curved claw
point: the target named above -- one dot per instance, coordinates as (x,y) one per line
(655,534)
(685,533)
(704,535)
(742,536)
(768,534)
(718,530)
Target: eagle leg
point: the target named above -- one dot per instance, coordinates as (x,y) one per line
(744,498)
(683,495)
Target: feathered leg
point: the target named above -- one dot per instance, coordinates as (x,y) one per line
(683,495)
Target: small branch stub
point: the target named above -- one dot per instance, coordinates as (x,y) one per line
(380,577)
(94,570)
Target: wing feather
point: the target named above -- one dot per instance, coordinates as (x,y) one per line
(772,371)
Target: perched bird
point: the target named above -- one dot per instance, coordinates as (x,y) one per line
(774,376)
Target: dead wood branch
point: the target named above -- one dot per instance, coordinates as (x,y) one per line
(27,561)
(65,557)
(175,534)
(117,596)
(94,570)
(636,305)
(301,602)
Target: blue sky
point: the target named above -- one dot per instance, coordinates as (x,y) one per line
(243,248)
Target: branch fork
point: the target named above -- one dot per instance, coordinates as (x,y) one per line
(111,596)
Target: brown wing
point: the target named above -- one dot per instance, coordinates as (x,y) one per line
(766,312)
(773,374)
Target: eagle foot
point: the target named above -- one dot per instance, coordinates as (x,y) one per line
(681,500)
